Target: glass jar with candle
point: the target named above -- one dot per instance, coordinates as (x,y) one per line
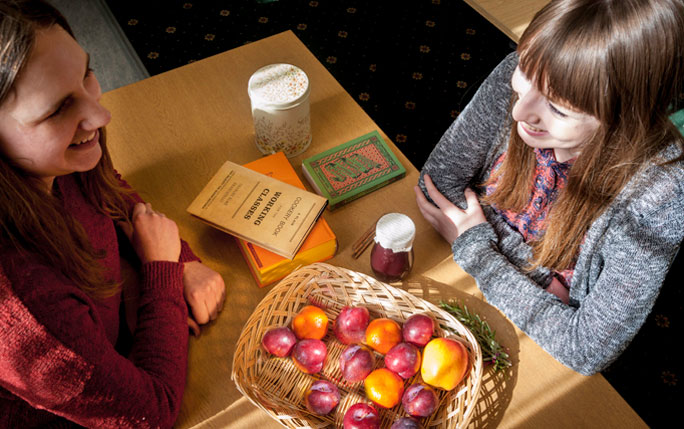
(392,255)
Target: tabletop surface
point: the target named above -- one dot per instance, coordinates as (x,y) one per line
(511,17)
(170,133)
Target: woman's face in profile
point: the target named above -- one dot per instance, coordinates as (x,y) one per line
(49,122)
(544,124)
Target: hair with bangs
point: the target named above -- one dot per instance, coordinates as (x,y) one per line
(32,221)
(621,61)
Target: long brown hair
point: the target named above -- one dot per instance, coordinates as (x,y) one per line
(31,220)
(621,61)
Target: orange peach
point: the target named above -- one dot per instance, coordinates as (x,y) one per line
(445,362)
(384,387)
(310,323)
(383,334)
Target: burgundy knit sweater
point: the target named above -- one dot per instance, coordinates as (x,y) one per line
(58,359)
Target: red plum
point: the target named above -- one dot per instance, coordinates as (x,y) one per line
(322,397)
(350,326)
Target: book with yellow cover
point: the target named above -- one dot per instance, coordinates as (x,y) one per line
(321,244)
(258,209)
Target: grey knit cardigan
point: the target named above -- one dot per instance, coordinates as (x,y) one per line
(621,264)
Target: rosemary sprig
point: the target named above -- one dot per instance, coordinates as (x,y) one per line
(492,351)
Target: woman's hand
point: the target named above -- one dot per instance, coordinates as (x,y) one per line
(449,220)
(204,291)
(153,236)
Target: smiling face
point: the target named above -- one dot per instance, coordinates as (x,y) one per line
(50,119)
(544,124)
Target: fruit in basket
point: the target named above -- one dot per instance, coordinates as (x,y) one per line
(350,326)
(322,397)
(361,416)
(406,423)
(445,362)
(420,400)
(356,362)
(279,341)
(309,355)
(383,334)
(384,387)
(404,359)
(418,329)
(311,322)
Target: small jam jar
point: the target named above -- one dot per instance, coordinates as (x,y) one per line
(279,94)
(392,255)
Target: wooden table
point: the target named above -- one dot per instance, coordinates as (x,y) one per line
(171,132)
(511,17)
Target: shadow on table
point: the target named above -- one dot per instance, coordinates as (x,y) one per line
(497,387)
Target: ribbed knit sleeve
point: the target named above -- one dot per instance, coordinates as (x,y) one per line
(56,356)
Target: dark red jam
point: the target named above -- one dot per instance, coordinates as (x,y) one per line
(389,266)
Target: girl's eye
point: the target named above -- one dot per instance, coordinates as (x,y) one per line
(556,111)
(59,110)
(62,107)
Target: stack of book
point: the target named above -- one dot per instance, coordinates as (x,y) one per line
(258,208)
(321,244)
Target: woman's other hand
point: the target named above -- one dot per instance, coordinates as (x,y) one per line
(204,291)
(153,235)
(449,220)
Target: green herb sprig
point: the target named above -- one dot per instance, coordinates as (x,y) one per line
(492,352)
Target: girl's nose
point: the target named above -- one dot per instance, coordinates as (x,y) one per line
(527,108)
(96,116)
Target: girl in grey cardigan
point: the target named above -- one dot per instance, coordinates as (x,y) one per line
(578,204)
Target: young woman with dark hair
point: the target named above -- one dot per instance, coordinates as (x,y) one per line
(579,172)
(65,219)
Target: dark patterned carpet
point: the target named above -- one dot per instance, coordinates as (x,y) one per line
(412,66)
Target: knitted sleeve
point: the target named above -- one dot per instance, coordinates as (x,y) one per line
(620,271)
(62,362)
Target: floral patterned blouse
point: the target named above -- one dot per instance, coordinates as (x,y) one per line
(550,177)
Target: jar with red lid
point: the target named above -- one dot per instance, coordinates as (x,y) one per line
(392,254)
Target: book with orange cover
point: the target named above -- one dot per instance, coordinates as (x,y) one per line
(320,245)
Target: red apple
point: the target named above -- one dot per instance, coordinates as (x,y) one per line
(279,341)
(309,355)
(418,329)
(420,400)
(322,397)
(361,416)
(406,423)
(350,325)
(403,359)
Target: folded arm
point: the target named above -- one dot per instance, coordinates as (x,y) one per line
(57,357)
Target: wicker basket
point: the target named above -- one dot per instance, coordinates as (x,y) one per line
(277,387)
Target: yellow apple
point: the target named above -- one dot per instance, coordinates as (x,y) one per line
(445,362)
